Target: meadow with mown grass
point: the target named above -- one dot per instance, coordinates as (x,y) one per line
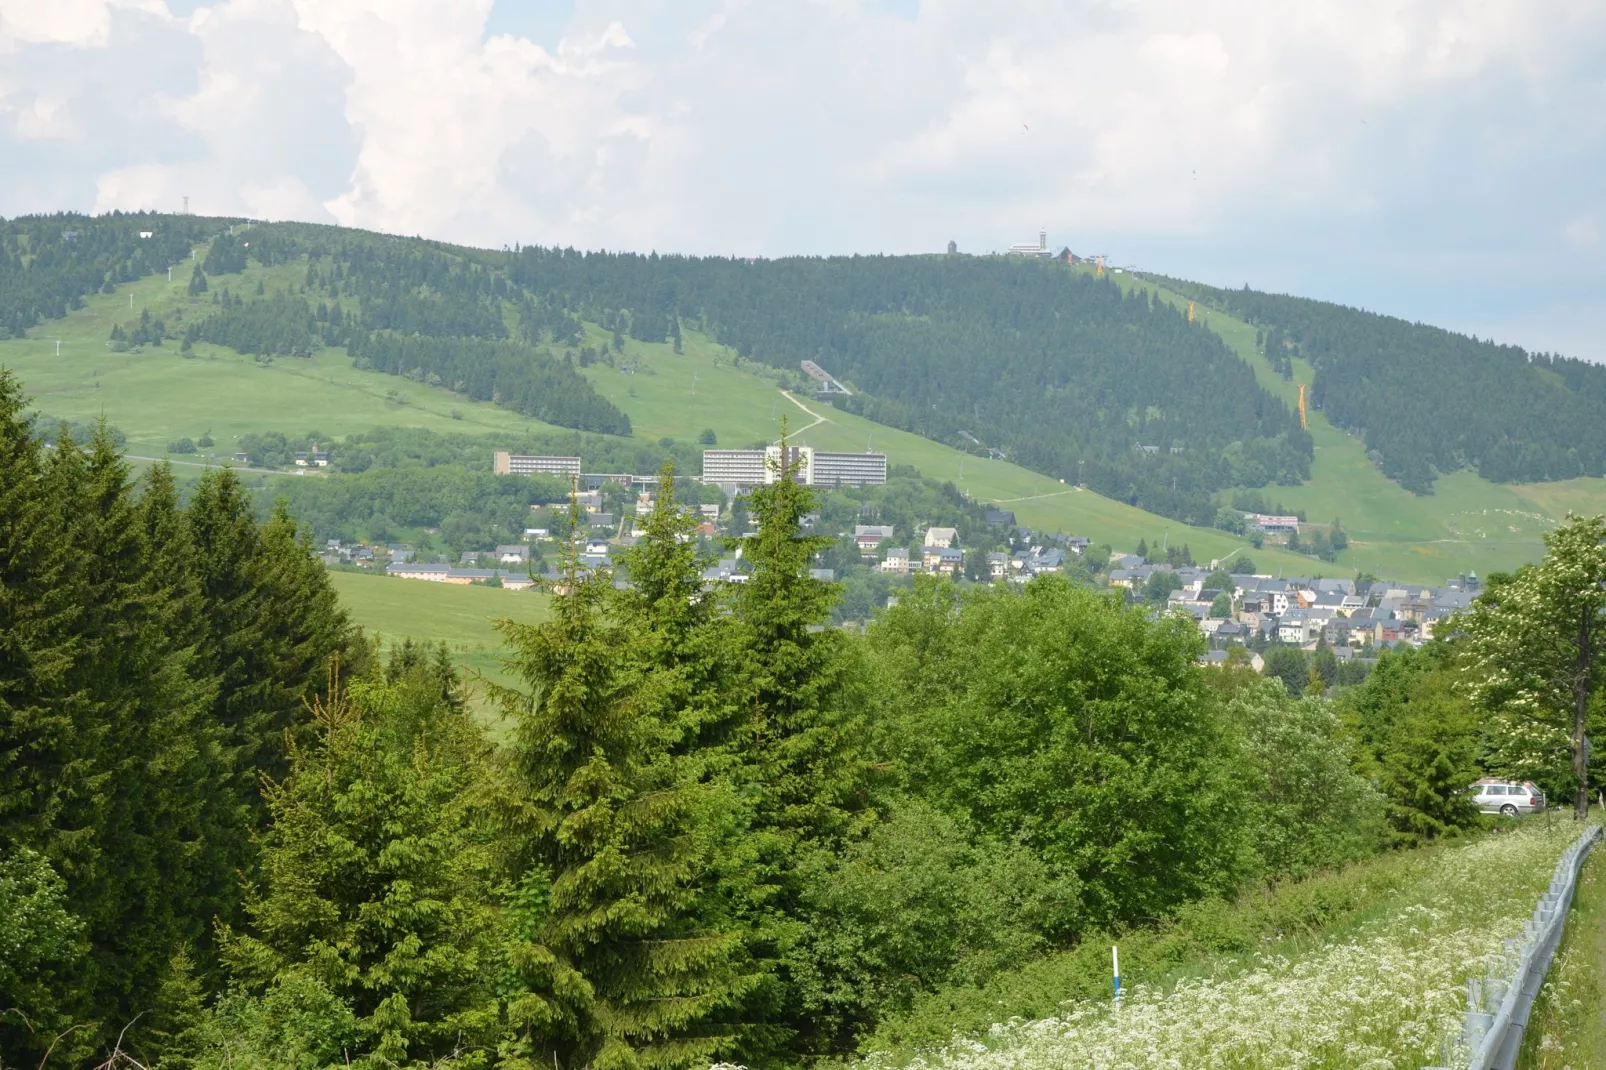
(460,618)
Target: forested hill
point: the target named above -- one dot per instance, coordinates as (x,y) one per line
(1060,370)
(1430,401)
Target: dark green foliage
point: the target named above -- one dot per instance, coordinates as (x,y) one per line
(127,716)
(795,672)
(225,256)
(1063,371)
(279,326)
(49,264)
(603,842)
(1311,810)
(513,375)
(1417,739)
(1290,665)
(1158,587)
(917,905)
(474,510)
(48,429)
(276,621)
(417,448)
(145,331)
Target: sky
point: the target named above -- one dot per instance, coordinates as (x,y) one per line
(1441,160)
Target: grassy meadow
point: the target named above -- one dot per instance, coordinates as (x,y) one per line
(1568,1027)
(463,618)
(157,396)
(1364,967)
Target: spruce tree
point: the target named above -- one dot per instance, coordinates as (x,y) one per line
(275,623)
(605,849)
(804,765)
(683,642)
(37,613)
(374,897)
(199,746)
(795,669)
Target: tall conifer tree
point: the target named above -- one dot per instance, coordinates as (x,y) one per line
(42,771)
(805,738)
(606,849)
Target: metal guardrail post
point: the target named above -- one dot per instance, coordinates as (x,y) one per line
(1498,1007)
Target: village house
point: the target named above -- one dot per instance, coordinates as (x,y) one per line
(513,554)
(869,537)
(896,562)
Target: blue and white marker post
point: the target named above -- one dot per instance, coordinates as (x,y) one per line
(1115,969)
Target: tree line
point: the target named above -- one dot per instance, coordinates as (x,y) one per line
(156,659)
(510,374)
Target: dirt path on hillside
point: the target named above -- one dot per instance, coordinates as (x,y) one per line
(1035,497)
(818,419)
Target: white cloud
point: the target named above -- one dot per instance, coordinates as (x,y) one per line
(1333,144)
(81,23)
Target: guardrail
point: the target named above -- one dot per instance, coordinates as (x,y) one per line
(1498,1005)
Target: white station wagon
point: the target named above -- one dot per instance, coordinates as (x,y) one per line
(1508,797)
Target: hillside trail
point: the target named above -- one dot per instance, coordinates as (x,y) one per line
(1035,497)
(818,419)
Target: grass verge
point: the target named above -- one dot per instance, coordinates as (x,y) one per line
(1363,967)
(1568,1027)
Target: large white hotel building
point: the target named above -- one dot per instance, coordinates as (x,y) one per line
(816,468)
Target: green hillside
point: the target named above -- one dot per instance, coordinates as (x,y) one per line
(678,395)
(1067,373)
(158,394)
(1429,401)
(1467,524)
